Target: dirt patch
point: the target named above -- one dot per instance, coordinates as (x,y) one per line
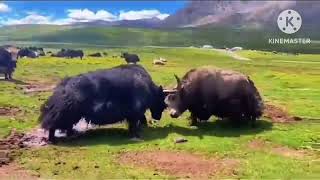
(16,141)
(35,138)
(8,150)
(279,115)
(261,145)
(180,164)
(257,144)
(39,137)
(36,88)
(9,111)
(9,147)
(287,152)
(13,171)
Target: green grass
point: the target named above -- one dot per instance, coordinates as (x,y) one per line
(293,86)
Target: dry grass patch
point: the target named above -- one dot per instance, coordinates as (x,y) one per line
(180,164)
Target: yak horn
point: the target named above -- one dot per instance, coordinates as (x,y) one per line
(178,82)
(169,90)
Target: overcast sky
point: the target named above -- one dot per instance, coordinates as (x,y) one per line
(66,12)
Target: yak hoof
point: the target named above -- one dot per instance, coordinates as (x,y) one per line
(136,139)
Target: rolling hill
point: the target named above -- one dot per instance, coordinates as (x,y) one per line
(219,37)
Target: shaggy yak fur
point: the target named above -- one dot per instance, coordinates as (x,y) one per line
(103,97)
(207,91)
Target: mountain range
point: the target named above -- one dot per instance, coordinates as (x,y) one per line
(235,13)
(240,13)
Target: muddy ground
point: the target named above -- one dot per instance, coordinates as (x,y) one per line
(36,88)
(279,115)
(10,111)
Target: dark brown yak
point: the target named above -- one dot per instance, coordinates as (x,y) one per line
(208,91)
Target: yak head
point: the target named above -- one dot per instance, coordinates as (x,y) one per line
(124,55)
(158,104)
(174,99)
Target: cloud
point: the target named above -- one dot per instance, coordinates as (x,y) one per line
(83,15)
(142,14)
(163,16)
(87,15)
(29,19)
(4,8)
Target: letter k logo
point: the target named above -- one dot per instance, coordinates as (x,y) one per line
(289,21)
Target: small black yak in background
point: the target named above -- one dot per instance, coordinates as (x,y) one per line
(26,52)
(103,97)
(69,53)
(207,91)
(38,50)
(8,63)
(130,58)
(98,54)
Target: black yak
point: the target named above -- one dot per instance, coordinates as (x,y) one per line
(95,55)
(26,52)
(207,91)
(39,51)
(61,53)
(103,97)
(69,53)
(130,58)
(7,63)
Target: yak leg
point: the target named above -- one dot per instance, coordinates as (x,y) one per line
(252,121)
(52,138)
(143,121)
(6,76)
(247,112)
(10,75)
(193,120)
(134,127)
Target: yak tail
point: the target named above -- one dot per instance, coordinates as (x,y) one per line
(256,100)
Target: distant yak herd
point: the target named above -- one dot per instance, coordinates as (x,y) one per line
(126,92)
(10,54)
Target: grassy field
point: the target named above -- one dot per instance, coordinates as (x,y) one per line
(288,81)
(219,37)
